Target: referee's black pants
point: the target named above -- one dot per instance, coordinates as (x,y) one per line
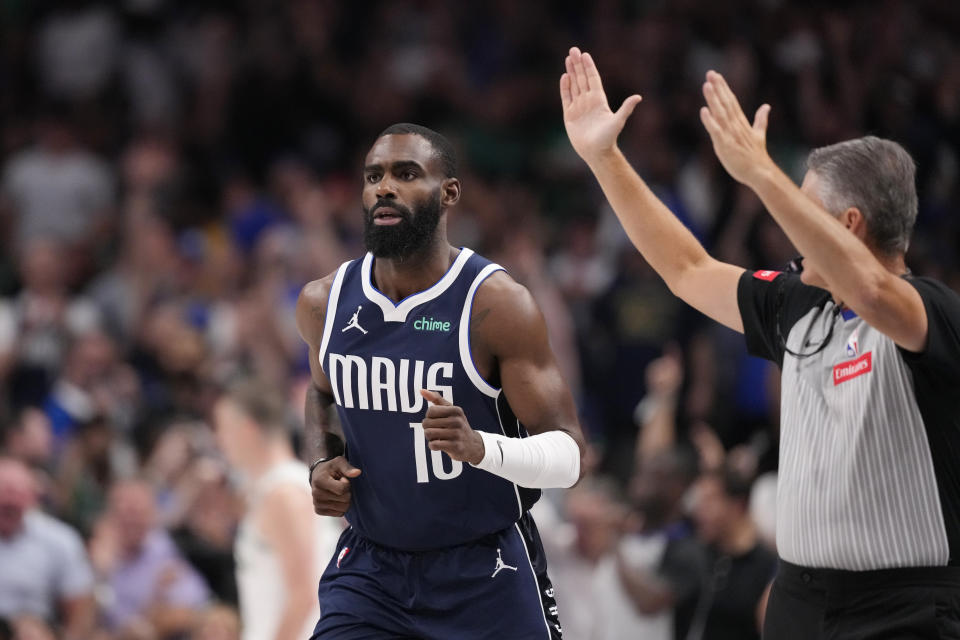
(893,604)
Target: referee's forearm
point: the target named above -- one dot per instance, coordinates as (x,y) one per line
(661,238)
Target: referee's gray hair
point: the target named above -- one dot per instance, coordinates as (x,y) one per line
(877,177)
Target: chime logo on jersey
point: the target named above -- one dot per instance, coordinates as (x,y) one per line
(384,384)
(853,346)
(429,324)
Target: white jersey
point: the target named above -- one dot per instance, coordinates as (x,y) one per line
(259,577)
(616,615)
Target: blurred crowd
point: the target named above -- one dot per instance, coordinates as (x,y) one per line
(172,172)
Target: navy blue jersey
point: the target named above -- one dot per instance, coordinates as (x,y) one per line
(377,356)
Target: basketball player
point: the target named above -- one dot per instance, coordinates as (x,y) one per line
(453,412)
(281,547)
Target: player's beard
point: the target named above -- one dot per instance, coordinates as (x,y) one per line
(407,237)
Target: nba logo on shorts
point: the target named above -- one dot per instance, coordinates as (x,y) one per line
(853,346)
(343,553)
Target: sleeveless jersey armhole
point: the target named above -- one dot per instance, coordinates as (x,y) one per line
(332,301)
(466,355)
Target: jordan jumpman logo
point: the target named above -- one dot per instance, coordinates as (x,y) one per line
(354,322)
(501,565)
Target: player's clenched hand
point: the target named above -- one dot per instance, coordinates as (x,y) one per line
(740,146)
(446,429)
(330,484)
(591,126)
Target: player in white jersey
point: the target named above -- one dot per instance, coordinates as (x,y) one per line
(281,547)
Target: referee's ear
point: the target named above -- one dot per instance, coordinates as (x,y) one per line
(854,220)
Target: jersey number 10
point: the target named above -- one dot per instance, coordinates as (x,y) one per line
(436,457)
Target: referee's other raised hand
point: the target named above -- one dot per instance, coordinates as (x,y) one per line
(591,126)
(740,146)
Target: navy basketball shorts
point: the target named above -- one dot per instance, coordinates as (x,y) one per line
(495,588)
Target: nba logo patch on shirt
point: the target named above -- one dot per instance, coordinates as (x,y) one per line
(342,555)
(767,275)
(853,346)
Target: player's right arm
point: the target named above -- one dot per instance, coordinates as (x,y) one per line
(708,285)
(330,480)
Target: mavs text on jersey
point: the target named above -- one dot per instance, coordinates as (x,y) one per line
(377,356)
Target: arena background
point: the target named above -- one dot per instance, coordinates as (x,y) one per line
(174,171)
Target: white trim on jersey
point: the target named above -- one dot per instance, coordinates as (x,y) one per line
(332,300)
(466,356)
(399,312)
(523,542)
(516,491)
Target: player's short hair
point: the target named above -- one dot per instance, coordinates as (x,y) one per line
(260,401)
(441,146)
(877,177)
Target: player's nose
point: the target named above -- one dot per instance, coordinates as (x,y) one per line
(387,188)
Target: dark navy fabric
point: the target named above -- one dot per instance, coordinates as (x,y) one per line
(408,497)
(493,588)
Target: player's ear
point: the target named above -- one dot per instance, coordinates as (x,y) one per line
(450,192)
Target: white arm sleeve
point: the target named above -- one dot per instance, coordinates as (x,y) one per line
(543,461)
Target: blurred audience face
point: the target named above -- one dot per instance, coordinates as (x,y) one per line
(95,439)
(149,162)
(659,486)
(237,435)
(132,509)
(32,439)
(90,359)
(17,495)
(56,134)
(713,508)
(41,266)
(597,519)
(402,184)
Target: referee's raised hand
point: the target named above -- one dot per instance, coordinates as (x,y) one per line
(591,126)
(740,146)
(330,486)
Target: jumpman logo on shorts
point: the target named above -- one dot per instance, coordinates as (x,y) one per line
(354,322)
(501,565)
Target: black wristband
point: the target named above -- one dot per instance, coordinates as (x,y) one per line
(314,465)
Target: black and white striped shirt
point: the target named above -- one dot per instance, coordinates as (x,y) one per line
(869,433)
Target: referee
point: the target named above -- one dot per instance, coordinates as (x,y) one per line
(868,510)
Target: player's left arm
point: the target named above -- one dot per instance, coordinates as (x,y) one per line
(508,327)
(516,334)
(287,524)
(885,301)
